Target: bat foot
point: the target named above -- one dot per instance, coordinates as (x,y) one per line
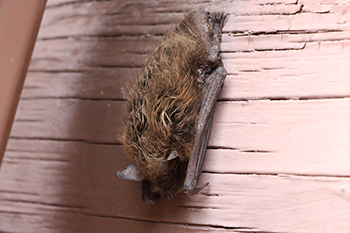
(194,191)
(198,189)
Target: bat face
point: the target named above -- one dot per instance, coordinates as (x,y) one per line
(170,108)
(171,185)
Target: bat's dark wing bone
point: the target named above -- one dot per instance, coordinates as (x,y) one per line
(212,87)
(211,91)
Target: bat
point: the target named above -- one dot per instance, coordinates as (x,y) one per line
(170,108)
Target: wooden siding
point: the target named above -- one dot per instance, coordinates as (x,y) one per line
(279,152)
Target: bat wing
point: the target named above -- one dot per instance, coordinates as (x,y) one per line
(211,90)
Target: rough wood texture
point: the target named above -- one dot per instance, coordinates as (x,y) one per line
(278,157)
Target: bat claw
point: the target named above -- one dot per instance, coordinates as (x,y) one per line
(196,190)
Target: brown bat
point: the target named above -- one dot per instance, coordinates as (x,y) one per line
(170,108)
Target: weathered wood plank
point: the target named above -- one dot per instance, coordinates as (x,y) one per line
(70,119)
(277,160)
(73,222)
(242,202)
(98,84)
(262,72)
(117,18)
(85,54)
(307,137)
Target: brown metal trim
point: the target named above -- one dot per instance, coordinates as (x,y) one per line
(19,26)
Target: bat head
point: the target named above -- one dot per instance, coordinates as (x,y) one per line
(168,184)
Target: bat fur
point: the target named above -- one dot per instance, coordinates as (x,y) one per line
(163,104)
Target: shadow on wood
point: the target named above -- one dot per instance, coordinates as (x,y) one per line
(278,153)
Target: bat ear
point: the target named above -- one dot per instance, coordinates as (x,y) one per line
(169,163)
(130,173)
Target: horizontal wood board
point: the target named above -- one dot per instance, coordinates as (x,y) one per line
(278,157)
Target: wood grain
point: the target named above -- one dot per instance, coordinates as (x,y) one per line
(278,153)
(312,134)
(246,201)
